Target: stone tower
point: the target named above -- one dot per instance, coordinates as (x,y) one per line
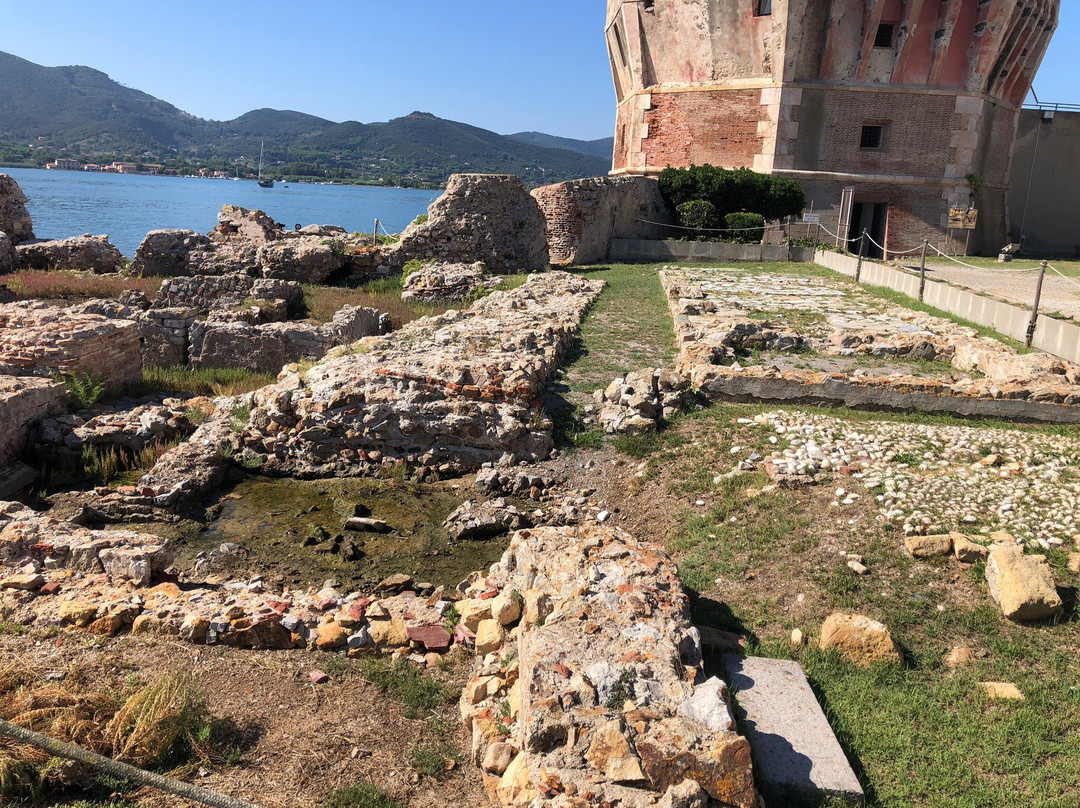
(912,103)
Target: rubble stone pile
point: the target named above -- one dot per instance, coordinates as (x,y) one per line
(444,281)
(589,688)
(246,242)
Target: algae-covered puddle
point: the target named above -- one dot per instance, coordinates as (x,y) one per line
(292,532)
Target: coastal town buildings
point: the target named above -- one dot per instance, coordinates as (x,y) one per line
(890,114)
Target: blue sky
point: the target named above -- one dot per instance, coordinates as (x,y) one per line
(505,65)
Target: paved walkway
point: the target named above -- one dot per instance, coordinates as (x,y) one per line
(1060,297)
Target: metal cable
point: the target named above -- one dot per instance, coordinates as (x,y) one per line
(891,252)
(123,771)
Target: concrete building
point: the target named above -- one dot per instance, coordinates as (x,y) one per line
(1044,192)
(913,104)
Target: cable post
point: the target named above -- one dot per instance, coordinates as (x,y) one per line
(862,251)
(922,271)
(1035,307)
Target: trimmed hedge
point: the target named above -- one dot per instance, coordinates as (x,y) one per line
(732,191)
(747,228)
(698,216)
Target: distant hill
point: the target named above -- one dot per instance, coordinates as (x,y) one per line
(602,147)
(80,113)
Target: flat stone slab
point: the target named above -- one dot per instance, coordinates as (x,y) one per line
(796,754)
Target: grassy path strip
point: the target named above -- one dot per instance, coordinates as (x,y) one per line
(629,328)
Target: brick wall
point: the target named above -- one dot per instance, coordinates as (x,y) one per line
(719,127)
(911,146)
(916,212)
(22,400)
(583,216)
(35,338)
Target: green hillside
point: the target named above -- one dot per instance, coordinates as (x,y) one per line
(80,113)
(602,147)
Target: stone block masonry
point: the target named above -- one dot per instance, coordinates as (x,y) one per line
(585,216)
(22,401)
(603,700)
(448,392)
(36,339)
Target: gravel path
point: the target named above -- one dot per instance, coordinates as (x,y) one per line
(1060,296)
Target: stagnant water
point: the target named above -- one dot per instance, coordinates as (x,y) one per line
(291,532)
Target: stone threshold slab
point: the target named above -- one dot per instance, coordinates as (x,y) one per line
(796,755)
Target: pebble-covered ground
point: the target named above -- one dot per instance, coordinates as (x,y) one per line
(932,479)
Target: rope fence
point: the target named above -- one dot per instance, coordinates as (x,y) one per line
(712,229)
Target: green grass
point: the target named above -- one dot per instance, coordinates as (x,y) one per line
(362,795)
(628,328)
(919,736)
(201,382)
(421,694)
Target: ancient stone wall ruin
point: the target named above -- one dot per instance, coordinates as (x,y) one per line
(84,253)
(37,339)
(14,218)
(23,400)
(480,217)
(267,347)
(584,216)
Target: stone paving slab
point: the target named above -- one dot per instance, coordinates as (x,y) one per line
(796,754)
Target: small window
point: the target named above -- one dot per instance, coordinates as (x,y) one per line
(873,135)
(764,7)
(886,33)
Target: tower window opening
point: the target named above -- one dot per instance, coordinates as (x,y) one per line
(886,35)
(873,136)
(764,7)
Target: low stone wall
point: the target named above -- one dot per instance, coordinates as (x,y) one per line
(22,401)
(444,393)
(709,327)
(86,253)
(268,347)
(584,216)
(35,339)
(589,687)
(1054,336)
(641,250)
(165,334)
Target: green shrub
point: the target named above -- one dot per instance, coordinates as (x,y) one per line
(699,216)
(415,265)
(423,217)
(732,190)
(745,228)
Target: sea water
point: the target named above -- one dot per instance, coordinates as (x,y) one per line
(127,206)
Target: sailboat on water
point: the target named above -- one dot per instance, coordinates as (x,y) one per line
(263,183)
